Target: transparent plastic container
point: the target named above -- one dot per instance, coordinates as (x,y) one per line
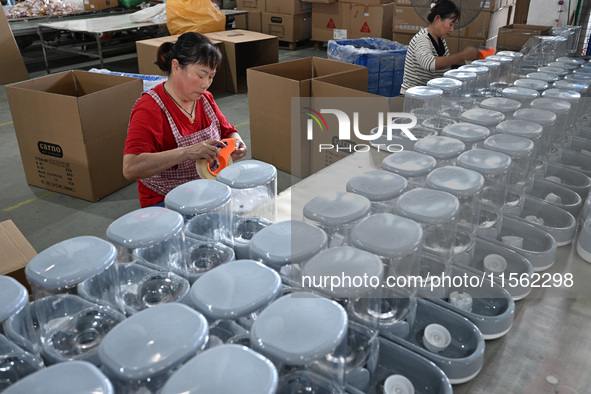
(472,135)
(546,77)
(362,303)
(562,135)
(286,245)
(572,35)
(585,77)
(523,95)
(468,90)
(254,192)
(398,138)
(517,58)
(483,78)
(483,117)
(232,295)
(561,72)
(494,167)
(466,185)
(380,187)
(207,209)
(530,83)
(566,65)
(305,336)
(444,149)
(452,91)
(413,166)
(520,150)
(578,86)
(336,213)
(495,75)
(72,377)
(224,369)
(501,104)
(437,123)
(529,130)
(574,98)
(14,296)
(547,120)
(506,69)
(142,352)
(15,363)
(422,101)
(578,61)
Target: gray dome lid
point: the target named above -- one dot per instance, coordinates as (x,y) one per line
(479,70)
(534,84)
(569,66)
(291,241)
(540,116)
(563,94)
(522,128)
(440,147)
(14,297)
(145,227)
(461,182)
(247,174)
(501,104)
(466,132)
(487,63)
(299,328)
(571,60)
(511,145)
(409,164)
(224,369)
(484,161)
(344,260)
(578,77)
(235,289)
(152,341)
(517,55)
(424,93)
(482,117)
(461,75)
(337,208)
(70,262)
(388,235)
(519,93)
(499,58)
(428,206)
(577,86)
(560,71)
(546,77)
(79,377)
(198,196)
(377,185)
(445,84)
(559,107)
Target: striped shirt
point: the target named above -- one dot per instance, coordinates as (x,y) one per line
(419,66)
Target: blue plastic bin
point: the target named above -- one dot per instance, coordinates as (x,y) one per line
(383,58)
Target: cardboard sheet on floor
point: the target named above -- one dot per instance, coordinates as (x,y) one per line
(15,251)
(12,66)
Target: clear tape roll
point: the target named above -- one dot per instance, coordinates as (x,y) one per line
(203,168)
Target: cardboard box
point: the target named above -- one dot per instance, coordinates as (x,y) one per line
(254,22)
(486,24)
(73,141)
(291,7)
(367,2)
(270,92)
(370,21)
(251,5)
(12,66)
(328,17)
(456,45)
(320,2)
(96,5)
(243,49)
(290,28)
(512,37)
(406,20)
(15,252)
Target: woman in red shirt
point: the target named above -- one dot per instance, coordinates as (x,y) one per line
(177,122)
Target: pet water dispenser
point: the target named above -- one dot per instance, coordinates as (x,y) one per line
(557,194)
(15,363)
(517,58)
(380,187)
(569,178)
(547,120)
(483,76)
(495,75)
(523,95)
(526,129)
(424,102)
(15,305)
(444,149)
(452,91)
(468,90)
(413,166)
(471,135)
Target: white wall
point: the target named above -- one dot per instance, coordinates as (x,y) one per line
(544,12)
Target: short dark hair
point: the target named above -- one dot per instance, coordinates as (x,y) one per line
(446,9)
(190,48)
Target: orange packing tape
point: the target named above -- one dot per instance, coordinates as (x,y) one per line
(483,52)
(210,171)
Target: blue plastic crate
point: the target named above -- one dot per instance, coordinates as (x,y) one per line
(383,58)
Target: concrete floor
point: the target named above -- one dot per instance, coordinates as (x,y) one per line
(46,218)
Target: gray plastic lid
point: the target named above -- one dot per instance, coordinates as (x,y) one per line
(377,185)
(560,71)
(578,86)
(461,182)
(482,116)
(571,60)
(13,296)
(534,84)
(423,93)
(546,77)
(409,164)
(500,59)
(79,377)
(519,93)
(224,369)
(385,234)
(512,54)
(563,94)
(567,65)
(466,132)
(479,70)
(198,196)
(522,128)
(484,161)
(559,107)
(247,174)
(540,116)
(501,104)
(461,75)
(512,145)
(299,328)
(152,341)
(291,241)
(487,63)
(145,227)
(445,84)
(440,147)
(428,206)
(70,262)
(235,289)
(337,208)
(578,77)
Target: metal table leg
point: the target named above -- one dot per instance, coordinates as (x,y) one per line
(40,33)
(97,37)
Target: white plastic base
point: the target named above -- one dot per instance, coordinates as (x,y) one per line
(583,253)
(464,380)
(488,337)
(538,269)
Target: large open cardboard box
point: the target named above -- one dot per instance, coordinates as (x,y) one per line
(71,129)
(15,252)
(513,37)
(12,66)
(270,92)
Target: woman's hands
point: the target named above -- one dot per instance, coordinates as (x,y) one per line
(207,150)
(240,150)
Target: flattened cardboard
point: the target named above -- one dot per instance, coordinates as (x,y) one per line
(12,66)
(67,144)
(290,28)
(15,252)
